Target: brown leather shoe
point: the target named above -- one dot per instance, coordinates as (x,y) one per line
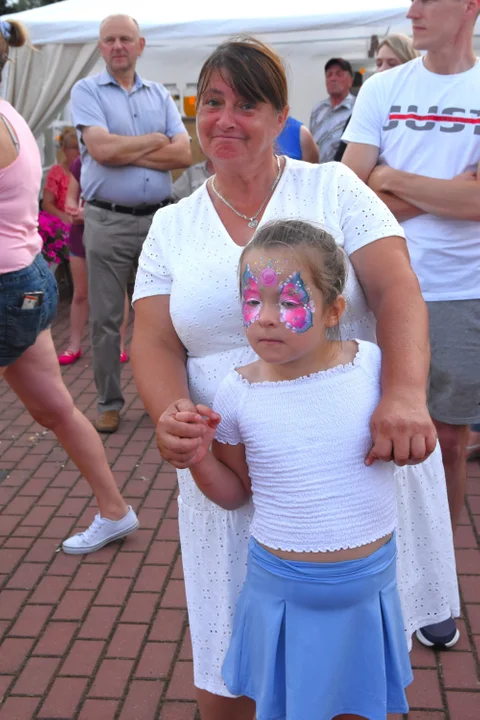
(107,422)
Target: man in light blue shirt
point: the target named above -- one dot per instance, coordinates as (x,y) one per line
(131,137)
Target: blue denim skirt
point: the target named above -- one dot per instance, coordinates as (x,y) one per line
(19,328)
(316,640)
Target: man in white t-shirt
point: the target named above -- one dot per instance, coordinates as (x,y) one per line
(414,138)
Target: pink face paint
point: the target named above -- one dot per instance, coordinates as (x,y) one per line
(296,308)
(268,276)
(251,300)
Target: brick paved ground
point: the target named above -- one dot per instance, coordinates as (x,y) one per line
(104,636)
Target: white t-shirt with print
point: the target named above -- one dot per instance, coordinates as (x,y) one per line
(428,124)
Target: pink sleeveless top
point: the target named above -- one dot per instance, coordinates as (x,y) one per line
(19,192)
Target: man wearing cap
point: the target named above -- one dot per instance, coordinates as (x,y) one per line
(131,135)
(329,117)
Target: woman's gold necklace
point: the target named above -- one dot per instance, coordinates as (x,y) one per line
(252,221)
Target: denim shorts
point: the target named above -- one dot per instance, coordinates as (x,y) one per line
(19,328)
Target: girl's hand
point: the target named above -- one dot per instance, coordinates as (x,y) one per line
(71,210)
(177,440)
(209,420)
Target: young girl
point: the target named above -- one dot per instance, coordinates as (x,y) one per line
(59,177)
(318,630)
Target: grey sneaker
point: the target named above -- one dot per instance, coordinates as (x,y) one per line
(101,532)
(441,635)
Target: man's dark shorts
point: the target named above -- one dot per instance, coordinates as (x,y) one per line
(454,383)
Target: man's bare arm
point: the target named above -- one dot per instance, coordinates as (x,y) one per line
(118,150)
(172,156)
(363,159)
(456,198)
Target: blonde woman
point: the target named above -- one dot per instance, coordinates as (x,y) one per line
(394,50)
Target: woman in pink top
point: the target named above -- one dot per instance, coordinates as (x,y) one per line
(59,177)
(28,303)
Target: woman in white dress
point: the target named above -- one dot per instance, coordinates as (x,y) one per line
(189,334)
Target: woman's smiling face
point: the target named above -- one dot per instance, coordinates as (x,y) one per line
(231,128)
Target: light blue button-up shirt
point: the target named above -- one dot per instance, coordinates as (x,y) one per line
(99,101)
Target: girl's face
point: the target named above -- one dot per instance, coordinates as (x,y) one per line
(71,150)
(283,312)
(233,129)
(386,59)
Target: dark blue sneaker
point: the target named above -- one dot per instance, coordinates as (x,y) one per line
(441,635)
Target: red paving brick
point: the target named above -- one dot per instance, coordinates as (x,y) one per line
(111,679)
(99,710)
(104,636)
(18,708)
(56,638)
(142,701)
(36,676)
(83,657)
(127,641)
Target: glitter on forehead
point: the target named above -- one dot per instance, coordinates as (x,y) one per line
(269,269)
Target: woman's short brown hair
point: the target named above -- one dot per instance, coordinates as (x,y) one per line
(251,68)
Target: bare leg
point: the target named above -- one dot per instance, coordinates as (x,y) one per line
(123,329)
(216,707)
(453,442)
(79,307)
(35,377)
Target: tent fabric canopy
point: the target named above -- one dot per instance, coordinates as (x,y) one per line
(179,37)
(39,83)
(77,21)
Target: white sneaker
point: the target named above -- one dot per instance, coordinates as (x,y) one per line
(101,532)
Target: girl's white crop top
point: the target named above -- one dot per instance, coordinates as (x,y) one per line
(306,441)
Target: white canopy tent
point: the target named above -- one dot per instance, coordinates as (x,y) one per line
(179,37)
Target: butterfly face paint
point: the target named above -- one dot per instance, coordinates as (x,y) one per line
(251,301)
(296,308)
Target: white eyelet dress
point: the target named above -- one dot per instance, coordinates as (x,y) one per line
(189,255)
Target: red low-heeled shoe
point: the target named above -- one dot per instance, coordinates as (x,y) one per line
(68,357)
(123,356)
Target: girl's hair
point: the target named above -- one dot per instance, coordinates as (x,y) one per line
(12,34)
(402,46)
(316,247)
(251,68)
(67,133)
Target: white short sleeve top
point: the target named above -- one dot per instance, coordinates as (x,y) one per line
(306,441)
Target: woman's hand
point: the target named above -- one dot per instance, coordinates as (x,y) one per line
(178,440)
(402,431)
